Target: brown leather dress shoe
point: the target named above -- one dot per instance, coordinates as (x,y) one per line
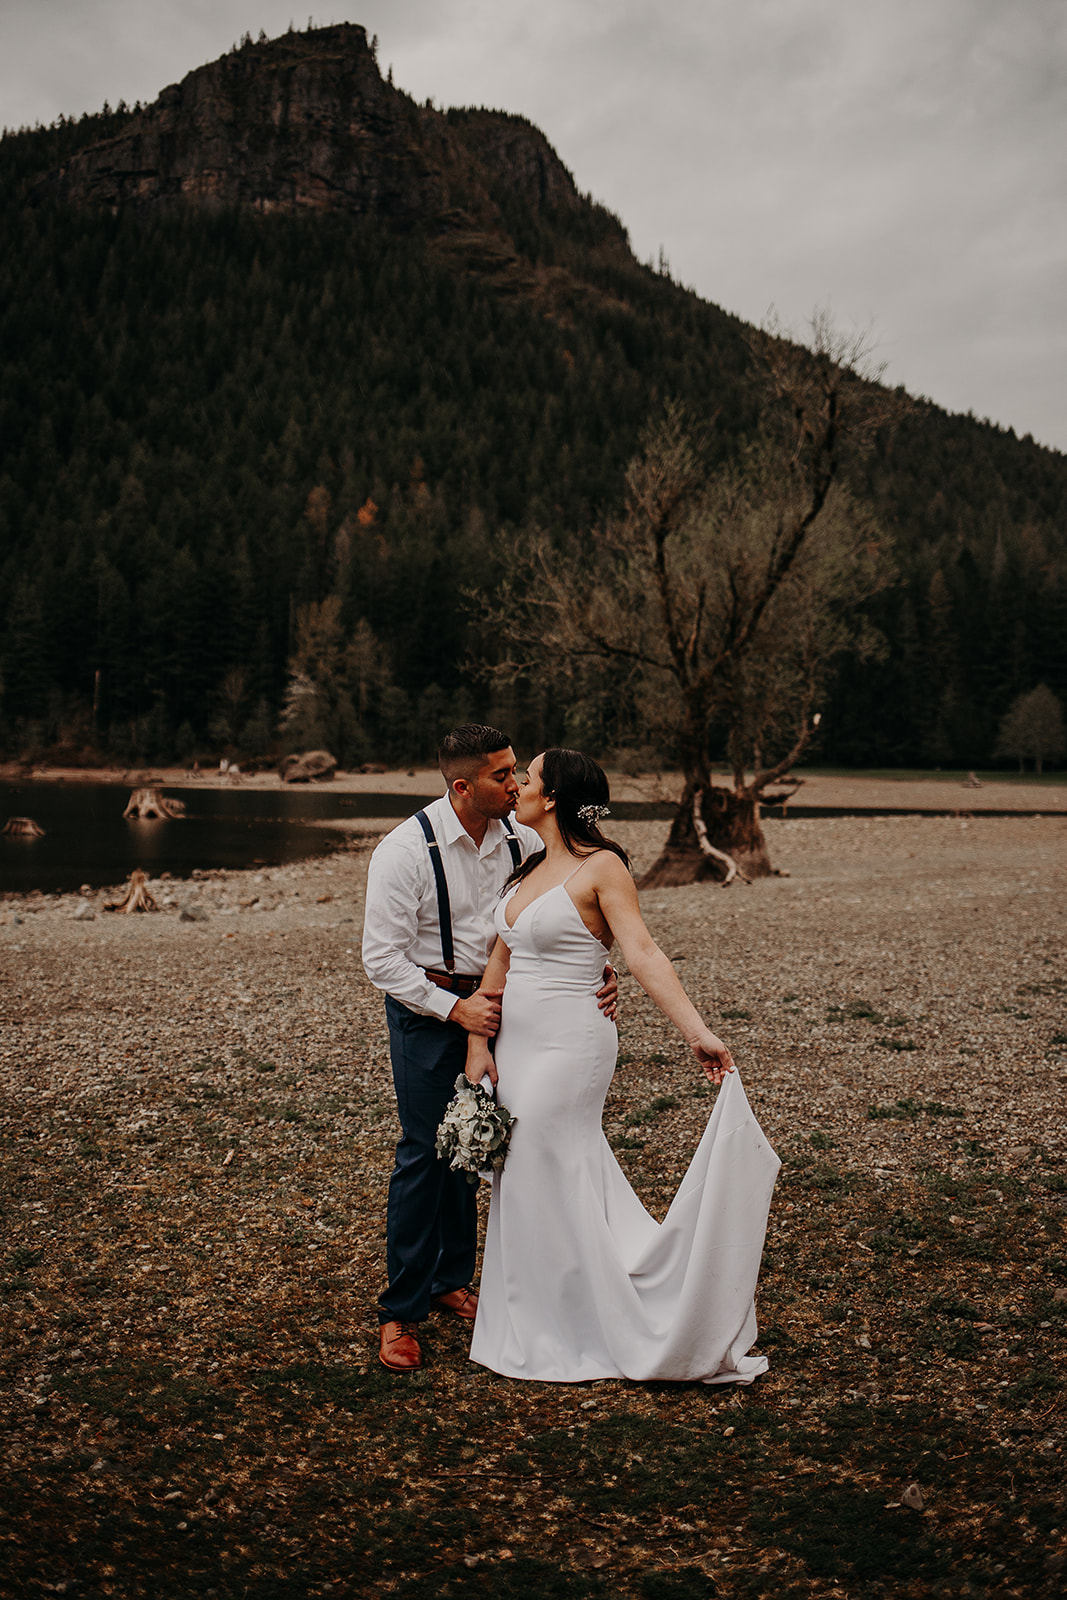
(461,1302)
(398,1348)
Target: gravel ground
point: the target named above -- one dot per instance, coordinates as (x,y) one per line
(915,966)
(196,1130)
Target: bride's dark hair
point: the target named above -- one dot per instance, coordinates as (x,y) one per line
(574,781)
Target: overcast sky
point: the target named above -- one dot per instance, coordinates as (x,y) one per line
(899,161)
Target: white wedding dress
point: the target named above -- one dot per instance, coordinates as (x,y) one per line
(578,1280)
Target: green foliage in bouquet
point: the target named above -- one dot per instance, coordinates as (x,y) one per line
(475,1131)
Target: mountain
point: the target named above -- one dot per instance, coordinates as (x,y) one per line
(306,123)
(285,361)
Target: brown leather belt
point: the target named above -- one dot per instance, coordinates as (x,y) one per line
(455,982)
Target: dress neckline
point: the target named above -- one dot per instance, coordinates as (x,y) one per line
(511,926)
(531,903)
(573,874)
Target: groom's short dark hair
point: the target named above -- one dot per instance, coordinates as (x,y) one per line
(466,747)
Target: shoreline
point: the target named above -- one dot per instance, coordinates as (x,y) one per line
(861,793)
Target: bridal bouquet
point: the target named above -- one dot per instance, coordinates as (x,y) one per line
(474,1133)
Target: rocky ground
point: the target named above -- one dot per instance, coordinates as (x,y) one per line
(195,1134)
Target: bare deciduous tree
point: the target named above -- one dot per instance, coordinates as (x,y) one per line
(726,597)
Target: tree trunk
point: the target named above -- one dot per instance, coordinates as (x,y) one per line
(716,836)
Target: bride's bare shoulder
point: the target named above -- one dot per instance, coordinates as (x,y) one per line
(608,870)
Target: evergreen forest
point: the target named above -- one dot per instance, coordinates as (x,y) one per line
(256,470)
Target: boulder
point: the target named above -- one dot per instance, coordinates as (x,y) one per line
(314,766)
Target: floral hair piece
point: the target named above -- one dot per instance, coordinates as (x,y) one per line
(593,813)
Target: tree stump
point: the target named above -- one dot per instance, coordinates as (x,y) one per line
(150,805)
(137,897)
(23,828)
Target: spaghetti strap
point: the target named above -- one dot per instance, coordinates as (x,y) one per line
(579,867)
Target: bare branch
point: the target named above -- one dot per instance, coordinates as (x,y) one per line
(708,849)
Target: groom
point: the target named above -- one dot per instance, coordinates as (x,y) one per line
(431,889)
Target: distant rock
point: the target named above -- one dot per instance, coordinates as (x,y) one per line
(315,766)
(306,122)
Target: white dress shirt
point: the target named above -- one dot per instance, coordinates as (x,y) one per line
(401,927)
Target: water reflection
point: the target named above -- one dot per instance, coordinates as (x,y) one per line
(87,840)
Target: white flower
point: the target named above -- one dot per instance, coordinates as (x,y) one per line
(474,1132)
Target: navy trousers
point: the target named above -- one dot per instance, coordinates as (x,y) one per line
(432,1217)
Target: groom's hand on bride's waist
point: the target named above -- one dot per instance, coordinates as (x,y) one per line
(608,997)
(479,1013)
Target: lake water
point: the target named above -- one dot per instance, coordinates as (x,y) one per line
(87,841)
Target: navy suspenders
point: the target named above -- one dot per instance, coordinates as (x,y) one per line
(513,843)
(444,909)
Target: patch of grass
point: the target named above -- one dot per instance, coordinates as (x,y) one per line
(310,1381)
(901,1231)
(855,1011)
(1042,1382)
(23,1257)
(843,1531)
(735,1014)
(148,1397)
(810,1174)
(245,1058)
(940,1305)
(645,1114)
(909,1107)
(820,1141)
(896,1044)
(527,1576)
(686,1583)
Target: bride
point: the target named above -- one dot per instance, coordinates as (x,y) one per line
(578,1280)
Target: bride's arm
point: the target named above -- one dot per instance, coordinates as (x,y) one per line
(618,902)
(480,1063)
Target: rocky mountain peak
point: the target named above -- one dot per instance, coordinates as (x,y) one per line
(307,122)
